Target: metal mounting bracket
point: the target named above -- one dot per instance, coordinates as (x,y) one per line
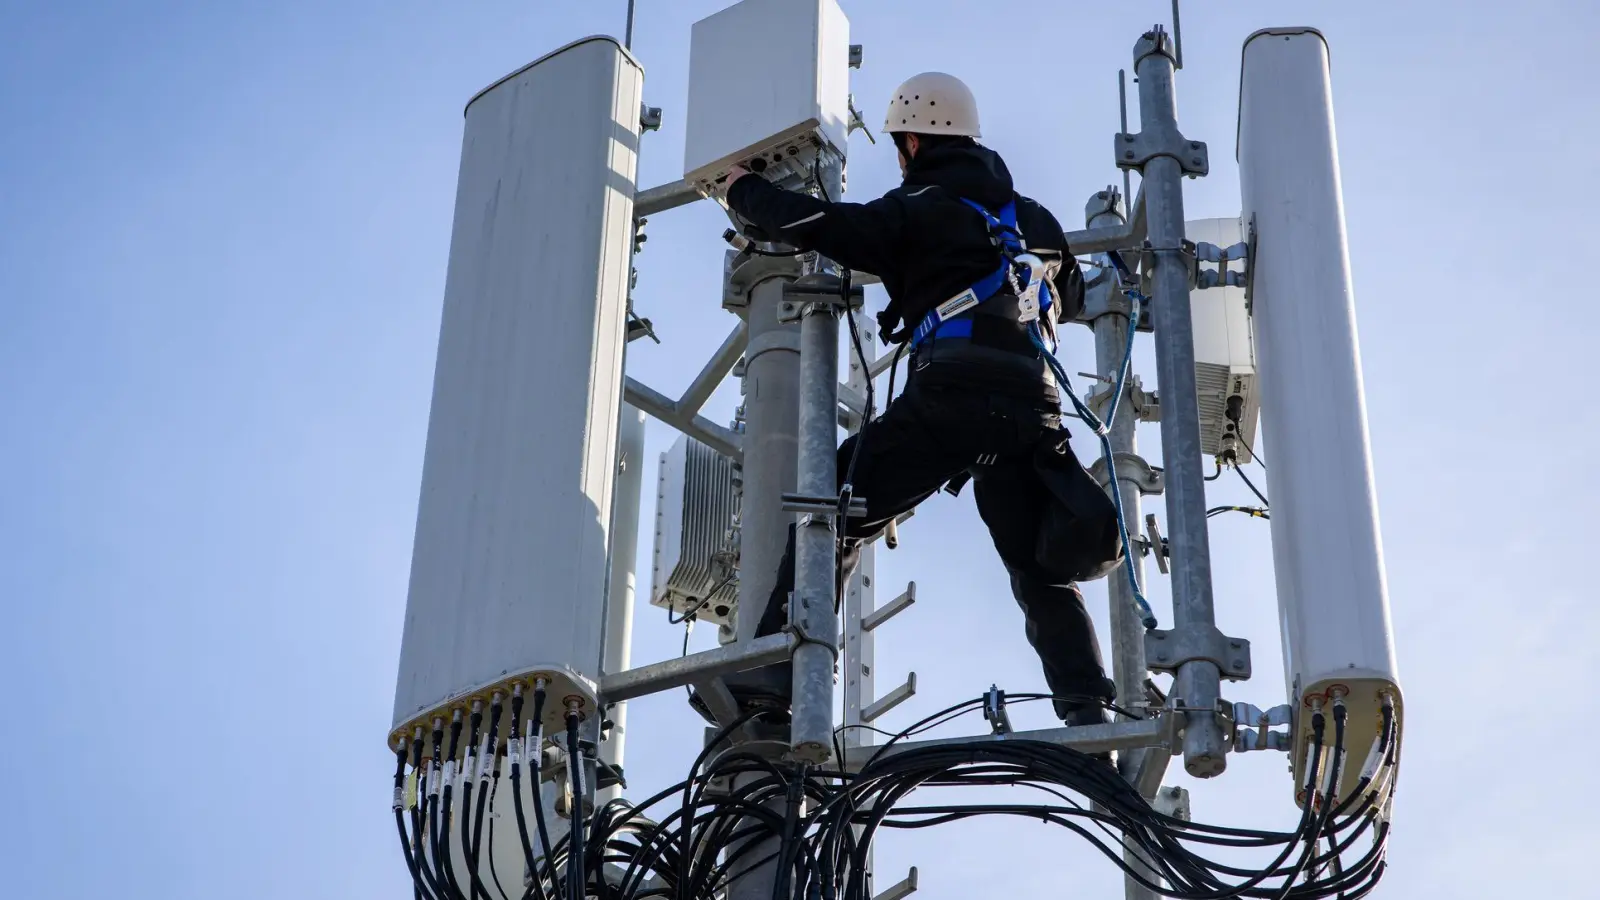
(741,272)
(1211,253)
(1131,467)
(1157,544)
(1102,298)
(994,711)
(1210,278)
(1135,150)
(1146,405)
(1173,802)
(1221,276)
(815,293)
(1247,740)
(1168,650)
(1261,736)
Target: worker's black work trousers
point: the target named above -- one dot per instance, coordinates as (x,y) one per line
(934,433)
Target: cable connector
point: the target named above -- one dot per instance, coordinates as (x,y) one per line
(736,240)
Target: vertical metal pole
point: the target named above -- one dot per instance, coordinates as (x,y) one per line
(1127,631)
(771,445)
(1110,341)
(627,38)
(620,591)
(812,611)
(772,415)
(1199,683)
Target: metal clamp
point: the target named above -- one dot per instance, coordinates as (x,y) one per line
(649,118)
(801,636)
(742,272)
(1101,297)
(1172,802)
(1167,650)
(994,711)
(1131,467)
(1135,150)
(817,293)
(1155,42)
(1146,406)
(825,506)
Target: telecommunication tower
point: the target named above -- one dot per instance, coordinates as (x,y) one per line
(515,665)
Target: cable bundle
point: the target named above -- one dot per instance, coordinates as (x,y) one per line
(810,830)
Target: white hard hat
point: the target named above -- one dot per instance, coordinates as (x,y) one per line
(933,103)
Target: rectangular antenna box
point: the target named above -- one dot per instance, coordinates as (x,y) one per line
(696,561)
(769,88)
(1224,351)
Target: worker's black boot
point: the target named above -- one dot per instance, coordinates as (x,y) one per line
(1084,711)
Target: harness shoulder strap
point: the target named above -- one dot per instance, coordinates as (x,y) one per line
(1008,239)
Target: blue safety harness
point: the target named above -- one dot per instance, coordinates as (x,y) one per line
(941,322)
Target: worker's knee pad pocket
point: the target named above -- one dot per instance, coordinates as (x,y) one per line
(1078,537)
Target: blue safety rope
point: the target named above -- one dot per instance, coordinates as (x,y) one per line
(1146,615)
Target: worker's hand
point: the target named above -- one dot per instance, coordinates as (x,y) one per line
(734,174)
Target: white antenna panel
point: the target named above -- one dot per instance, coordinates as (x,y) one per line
(1327,552)
(509,564)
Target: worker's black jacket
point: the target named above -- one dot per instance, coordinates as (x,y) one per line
(920,239)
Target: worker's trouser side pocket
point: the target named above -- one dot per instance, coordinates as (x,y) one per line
(1078,535)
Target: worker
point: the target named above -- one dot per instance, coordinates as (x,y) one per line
(980,402)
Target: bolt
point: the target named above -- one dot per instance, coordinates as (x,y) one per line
(1238,665)
(1128,155)
(1162,657)
(1194,145)
(1128,138)
(1235,644)
(1197,161)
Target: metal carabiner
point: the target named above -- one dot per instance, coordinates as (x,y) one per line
(1028,297)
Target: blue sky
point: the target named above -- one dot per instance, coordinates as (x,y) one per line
(223,235)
